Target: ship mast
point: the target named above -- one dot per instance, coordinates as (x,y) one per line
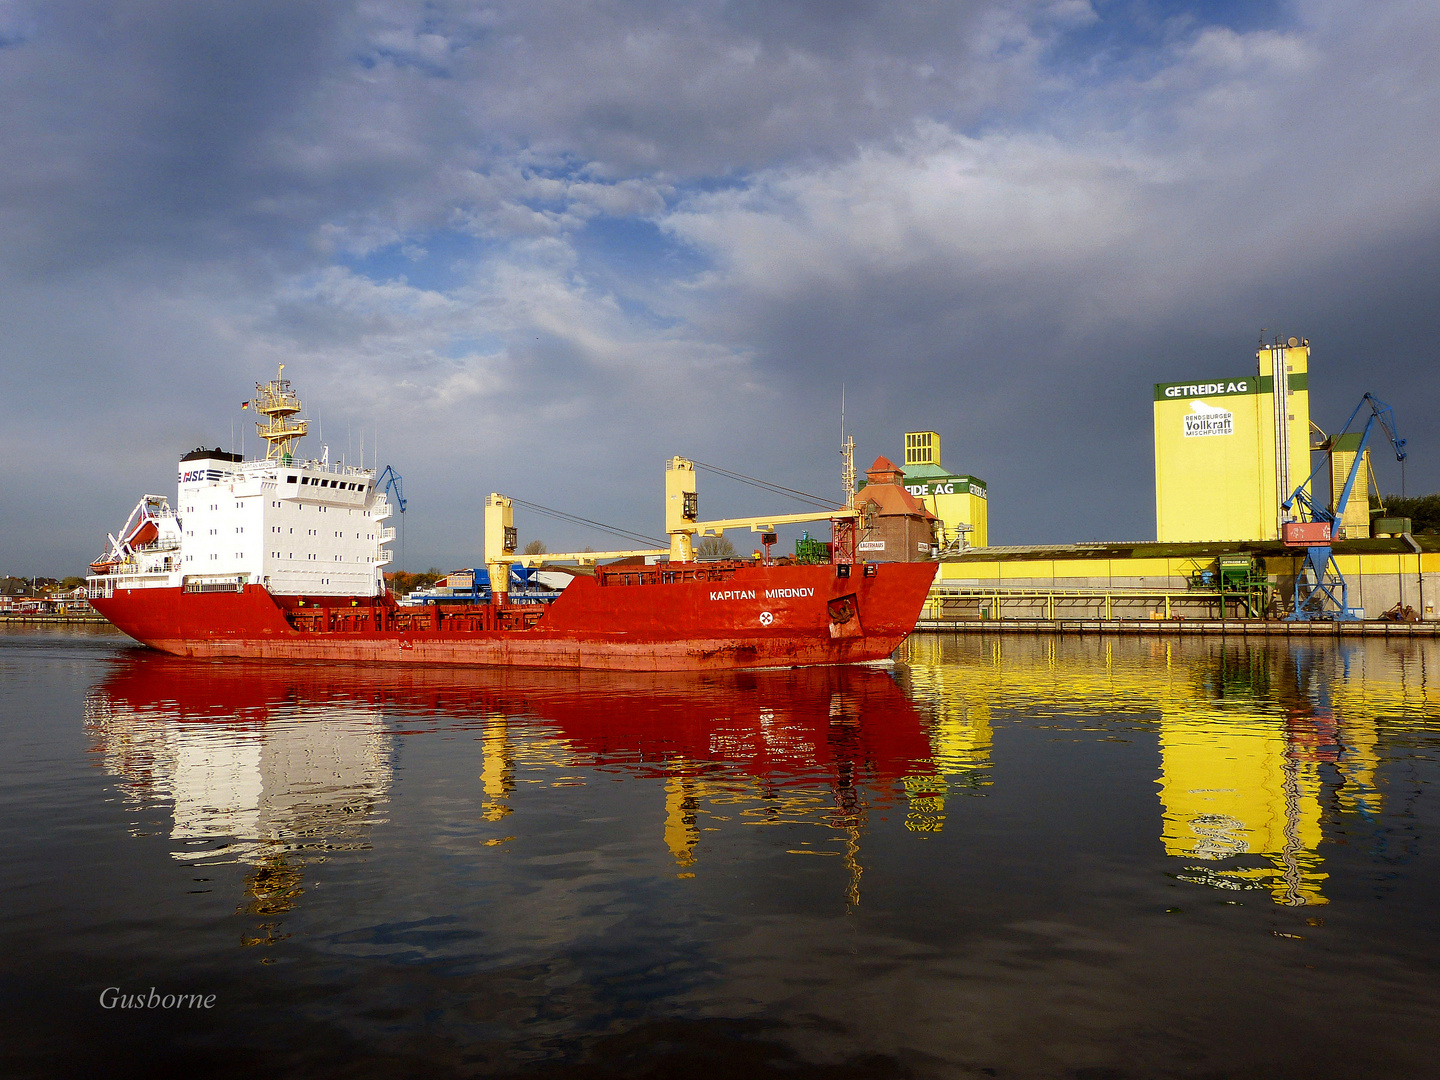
(279,404)
(847,455)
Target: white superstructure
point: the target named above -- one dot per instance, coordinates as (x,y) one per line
(306,528)
(299,528)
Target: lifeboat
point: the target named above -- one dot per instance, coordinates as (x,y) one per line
(145,533)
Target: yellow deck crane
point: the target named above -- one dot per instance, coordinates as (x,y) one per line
(682,513)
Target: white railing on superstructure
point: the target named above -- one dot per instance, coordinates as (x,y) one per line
(334,468)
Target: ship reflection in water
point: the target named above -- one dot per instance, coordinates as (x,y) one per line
(276,765)
(1005,855)
(258,768)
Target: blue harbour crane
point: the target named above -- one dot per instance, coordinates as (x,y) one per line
(391,483)
(1320,589)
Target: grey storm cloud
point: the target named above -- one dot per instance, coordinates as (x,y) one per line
(537,247)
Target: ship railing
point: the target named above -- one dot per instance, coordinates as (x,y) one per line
(337,468)
(385,535)
(226,583)
(172,544)
(385,558)
(102,586)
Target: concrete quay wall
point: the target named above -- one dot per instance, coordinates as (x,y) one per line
(1223,627)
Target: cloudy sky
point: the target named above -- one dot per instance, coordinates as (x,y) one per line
(538,247)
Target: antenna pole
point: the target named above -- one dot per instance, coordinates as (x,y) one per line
(847,455)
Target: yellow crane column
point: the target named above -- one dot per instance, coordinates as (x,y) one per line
(500,541)
(682,508)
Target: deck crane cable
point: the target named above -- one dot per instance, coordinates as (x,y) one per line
(576,520)
(801,496)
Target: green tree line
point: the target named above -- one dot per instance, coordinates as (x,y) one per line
(402,583)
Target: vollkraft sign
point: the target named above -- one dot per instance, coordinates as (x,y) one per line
(1204,420)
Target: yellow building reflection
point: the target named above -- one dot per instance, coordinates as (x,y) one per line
(959,710)
(1253,737)
(1234,785)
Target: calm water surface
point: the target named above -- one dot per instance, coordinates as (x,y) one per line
(1018,857)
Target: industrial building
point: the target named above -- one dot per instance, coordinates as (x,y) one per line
(1099,581)
(959,502)
(898,527)
(1230,453)
(1229,449)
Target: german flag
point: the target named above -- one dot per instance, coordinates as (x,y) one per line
(244,404)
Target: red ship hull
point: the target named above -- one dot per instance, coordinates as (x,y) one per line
(667,618)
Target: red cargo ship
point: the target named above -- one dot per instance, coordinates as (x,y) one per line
(279,558)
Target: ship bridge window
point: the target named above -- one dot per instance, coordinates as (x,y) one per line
(290,479)
(304,479)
